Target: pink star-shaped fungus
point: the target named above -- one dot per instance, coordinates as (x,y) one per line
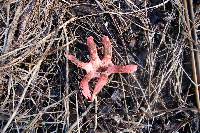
(98,68)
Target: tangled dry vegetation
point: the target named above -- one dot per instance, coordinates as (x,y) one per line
(39,88)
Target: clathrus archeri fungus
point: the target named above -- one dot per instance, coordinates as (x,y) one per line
(98,68)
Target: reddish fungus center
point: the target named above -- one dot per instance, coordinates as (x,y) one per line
(102,69)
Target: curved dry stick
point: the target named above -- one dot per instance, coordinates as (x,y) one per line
(80,118)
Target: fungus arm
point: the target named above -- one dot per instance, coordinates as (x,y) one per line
(122,69)
(107,49)
(85,85)
(102,81)
(74,60)
(92,49)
